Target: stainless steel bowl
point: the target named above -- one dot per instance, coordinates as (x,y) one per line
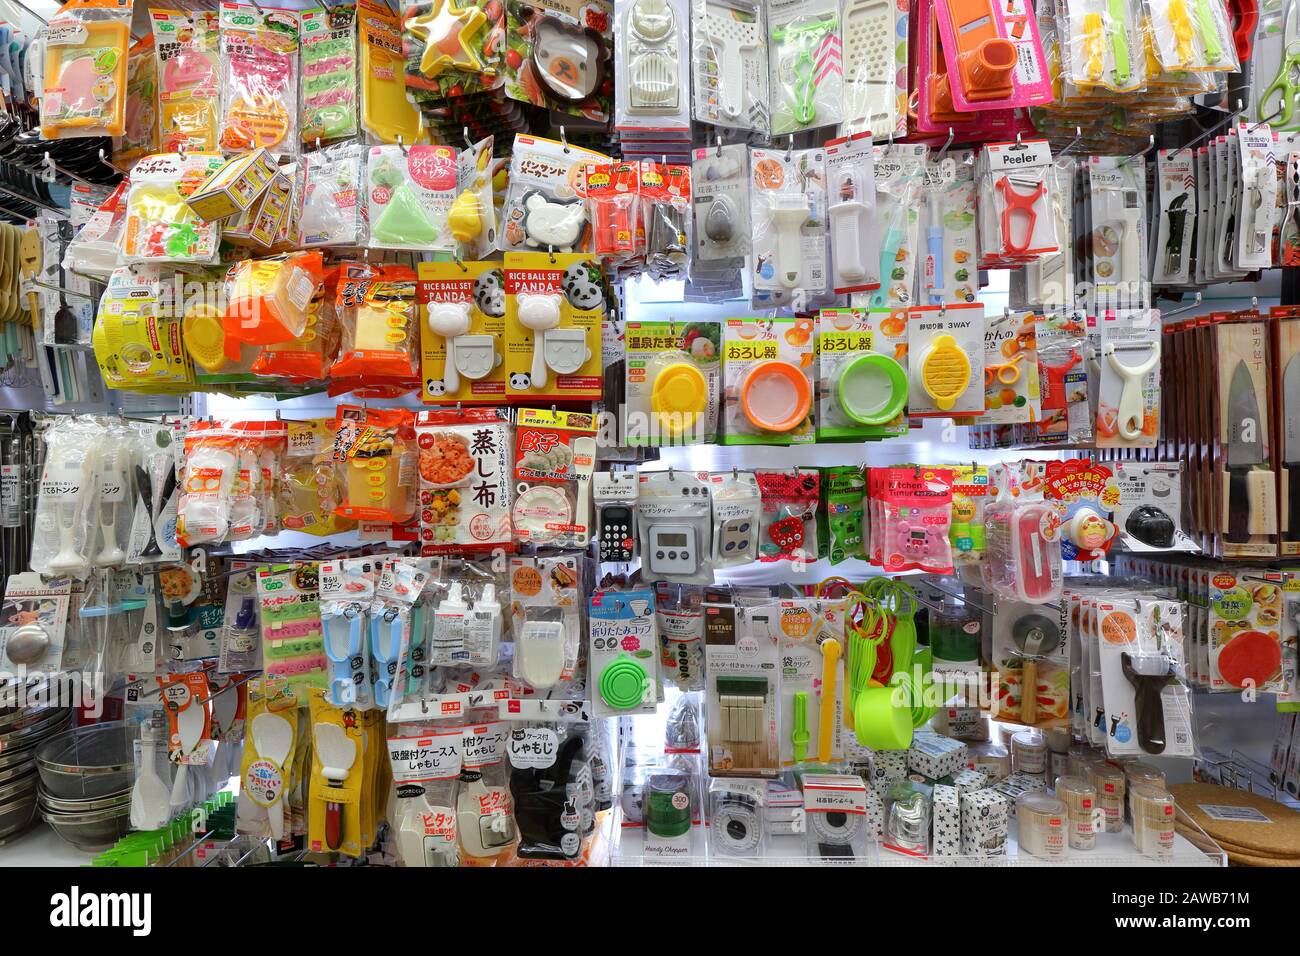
(35,728)
(18,790)
(12,772)
(86,762)
(91,831)
(16,817)
(112,801)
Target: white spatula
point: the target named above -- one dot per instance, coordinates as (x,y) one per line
(149,797)
(189,725)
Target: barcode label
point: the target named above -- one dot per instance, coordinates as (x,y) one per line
(1231,814)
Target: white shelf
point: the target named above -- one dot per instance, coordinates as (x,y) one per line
(41,846)
(1113,849)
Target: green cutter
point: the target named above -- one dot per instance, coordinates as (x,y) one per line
(799,737)
(1119,40)
(806,37)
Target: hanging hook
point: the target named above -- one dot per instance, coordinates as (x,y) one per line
(952,134)
(401,145)
(1268,119)
(719,145)
(1078,135)
(564,138)
(1210,131)
(464,132)
(789,148)
(1185,308)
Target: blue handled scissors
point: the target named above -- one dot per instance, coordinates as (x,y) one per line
(1287,81)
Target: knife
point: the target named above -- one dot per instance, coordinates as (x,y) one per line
(1245,449)
(1291,444)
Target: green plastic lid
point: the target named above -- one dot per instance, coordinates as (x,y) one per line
(403,221)
(872,389)
(622,684)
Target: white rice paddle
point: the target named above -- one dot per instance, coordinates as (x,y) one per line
(272,736)
(189,725)
(149,796)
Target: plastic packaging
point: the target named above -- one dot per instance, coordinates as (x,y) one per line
(666,203)
(652,64)
(807,71)
(613,193)
(269,301)
(330,209)
(329,73)
(409,193)
(140,127)
(225,488)
(554,457)
(259,79)
(85,68)
(729,64)
(309,488)
(917,515)
(160,226)
(67,498)
(547,622)
(376,451)
(188,92)
(788,203)
(674,527)
(787,529)
(466,485)
(543,206)
(379,317)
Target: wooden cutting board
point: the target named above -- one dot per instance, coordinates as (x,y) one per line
(1278,838)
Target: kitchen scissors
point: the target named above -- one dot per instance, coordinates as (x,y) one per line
(1287,82)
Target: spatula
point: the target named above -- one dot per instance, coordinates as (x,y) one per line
(149,798)
(336,752)
(189,725)
(273,738)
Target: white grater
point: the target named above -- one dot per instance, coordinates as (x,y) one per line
(731,40)
(869,68)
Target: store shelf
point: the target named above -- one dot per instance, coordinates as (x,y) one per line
(1113,849)
(41,846)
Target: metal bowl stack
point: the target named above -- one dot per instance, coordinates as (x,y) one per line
(85,792)
(22,731)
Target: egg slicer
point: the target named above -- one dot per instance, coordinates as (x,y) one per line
(652,57)
(870,101)
(945,372)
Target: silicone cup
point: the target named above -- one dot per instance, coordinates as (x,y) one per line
(868,374)
(773,376)
(878,724)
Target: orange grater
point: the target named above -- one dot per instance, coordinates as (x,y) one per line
(985,58)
